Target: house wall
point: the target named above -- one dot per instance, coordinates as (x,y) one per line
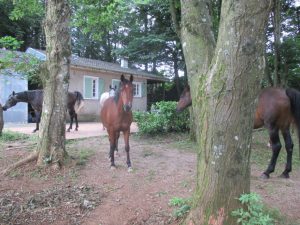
(91,109)
(19,112)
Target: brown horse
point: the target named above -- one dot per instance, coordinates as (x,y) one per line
(277,108)
(116,116)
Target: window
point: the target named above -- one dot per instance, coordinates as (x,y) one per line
(137,89)
(91,87)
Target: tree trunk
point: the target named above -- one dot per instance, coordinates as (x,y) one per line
(1,120)
(277,35)
(224,84)
(51,144)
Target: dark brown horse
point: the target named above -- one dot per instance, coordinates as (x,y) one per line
(277,108)
(116,116)
(35,99)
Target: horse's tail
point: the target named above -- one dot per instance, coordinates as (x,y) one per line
(294,97)
(79,101)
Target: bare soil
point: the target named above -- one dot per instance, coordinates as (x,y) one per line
(87,191)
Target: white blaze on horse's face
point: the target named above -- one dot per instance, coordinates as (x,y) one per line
(127,96)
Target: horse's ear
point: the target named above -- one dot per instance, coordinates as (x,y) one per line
(122,77)
(110,86)
(13,93)
(115,87)
(131,78)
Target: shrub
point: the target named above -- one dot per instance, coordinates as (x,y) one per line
(162,118)
(254,213)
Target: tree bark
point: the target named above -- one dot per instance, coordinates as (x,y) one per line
(1,120)
(51,143)
(224,84)
(277,36)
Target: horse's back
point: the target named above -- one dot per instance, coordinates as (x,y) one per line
(274,108)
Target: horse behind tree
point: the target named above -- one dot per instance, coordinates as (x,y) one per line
(277,108)
(116,116)
(35,98)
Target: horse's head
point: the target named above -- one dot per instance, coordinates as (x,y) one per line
(11,101)
(126,92)
(185,99)
(112,91)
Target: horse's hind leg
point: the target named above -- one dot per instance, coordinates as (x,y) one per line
(276,146)
(289,153)
(127,148)
(71,113)
(117,142)
(38,119)
(76,121)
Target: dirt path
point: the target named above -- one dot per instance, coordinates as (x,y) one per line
(90,193)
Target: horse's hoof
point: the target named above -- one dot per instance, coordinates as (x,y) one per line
(76,129)
(113,167)
(130,169)
(264,176)
(284,175)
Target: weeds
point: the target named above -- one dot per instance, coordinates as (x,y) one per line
(183,206)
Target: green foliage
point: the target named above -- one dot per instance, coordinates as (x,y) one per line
(9,42)
(183,206)
(254,213)
(25,65)
(162,118)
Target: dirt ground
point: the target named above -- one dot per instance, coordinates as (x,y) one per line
(88,192)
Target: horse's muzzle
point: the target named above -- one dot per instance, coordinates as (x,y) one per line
(127,108)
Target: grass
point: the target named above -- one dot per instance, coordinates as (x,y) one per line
(9,136)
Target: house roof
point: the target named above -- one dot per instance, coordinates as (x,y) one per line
(100,65)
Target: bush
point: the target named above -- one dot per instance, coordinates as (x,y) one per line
(162,118)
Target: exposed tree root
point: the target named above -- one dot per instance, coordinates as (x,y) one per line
(21,162)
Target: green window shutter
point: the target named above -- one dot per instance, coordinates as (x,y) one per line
(88,85)
(116,83)
(100,86)
(144,89)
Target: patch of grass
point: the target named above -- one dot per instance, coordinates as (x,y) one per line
(151,174)
(83,156)
(9,136)
(183,206)
(146,153)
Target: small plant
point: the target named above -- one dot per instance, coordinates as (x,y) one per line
(253,213)
(183,204)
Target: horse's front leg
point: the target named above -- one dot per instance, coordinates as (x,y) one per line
(289,153)
(276,146)
(112,141)
(71,113)
(38,119)
(127,148)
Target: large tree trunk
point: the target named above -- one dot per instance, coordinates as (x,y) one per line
(51,144)
(224,84)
